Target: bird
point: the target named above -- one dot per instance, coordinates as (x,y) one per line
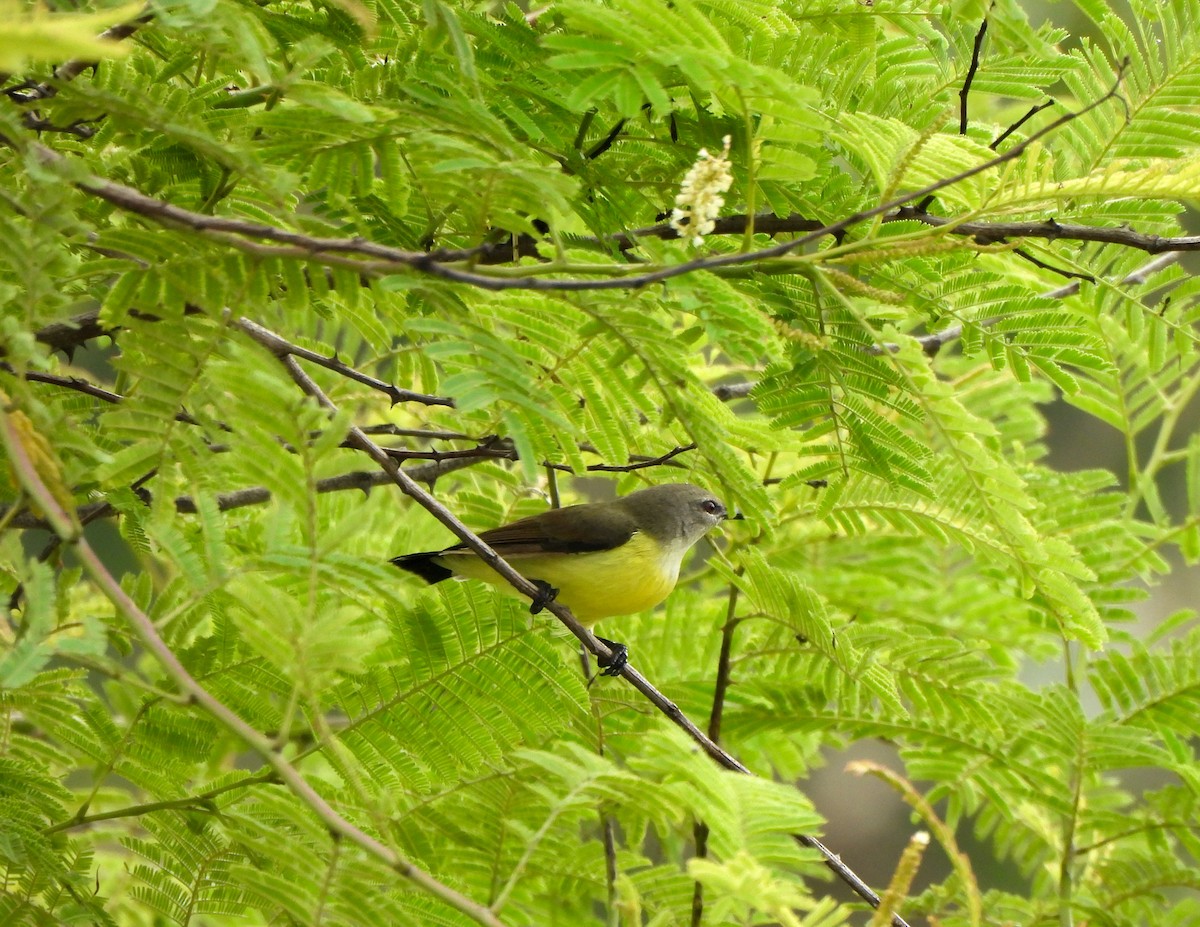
(600,559)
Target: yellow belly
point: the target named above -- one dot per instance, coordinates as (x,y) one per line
(631,578)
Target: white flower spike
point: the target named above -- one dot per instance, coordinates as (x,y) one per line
(701,195)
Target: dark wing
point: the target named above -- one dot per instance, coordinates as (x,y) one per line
(422,564)
(558,531)
(562,531)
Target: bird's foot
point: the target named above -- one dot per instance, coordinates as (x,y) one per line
(546,595)
(614,664)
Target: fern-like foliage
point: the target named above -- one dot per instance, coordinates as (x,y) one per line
(962,461)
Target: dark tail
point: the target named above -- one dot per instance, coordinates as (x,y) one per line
(423,566)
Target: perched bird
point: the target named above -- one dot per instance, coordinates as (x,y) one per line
(599,559)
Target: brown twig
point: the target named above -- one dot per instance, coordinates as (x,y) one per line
(1033,111)
(258,495)
(490,448)
(988,233)
(381,259)
(965,90)
(730,391)
(393,392)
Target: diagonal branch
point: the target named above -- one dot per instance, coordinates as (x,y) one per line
(393,392)
(357,439)
(143,626)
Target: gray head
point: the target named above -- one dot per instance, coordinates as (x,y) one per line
(678,513)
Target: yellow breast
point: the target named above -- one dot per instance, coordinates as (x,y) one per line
(631,578)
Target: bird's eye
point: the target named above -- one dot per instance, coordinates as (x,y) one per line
(711,506)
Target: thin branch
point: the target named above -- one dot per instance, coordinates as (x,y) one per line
(80,128)
(143,626)
(605,143)
(963,93)
(933,343)
(490,448)
(1134,278)
(1042,265)
(80,385)
(67,336)
(988,233)
(528,589)
(77,384)
(191,802)
(1033,111)
(385,259)
(103,510)
(393,392)
(965,90)
(730,391)
(259,495)
(504,252)
(637,462)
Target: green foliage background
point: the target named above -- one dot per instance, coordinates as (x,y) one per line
(907,552)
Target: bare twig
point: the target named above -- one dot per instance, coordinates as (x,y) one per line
(490,448)
(931,344)
(1042,265)
(640,463)
(988,233)
(1033,111)
(393,392)
(259,495)
(730,391)
(965,90)
(1139,276)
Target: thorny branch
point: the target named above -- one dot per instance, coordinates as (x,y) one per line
(720,688)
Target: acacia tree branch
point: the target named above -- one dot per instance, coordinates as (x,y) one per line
(988,233)
(143,626)
(382,259)
(258,495)
(965,91)
(203,800)
(279,347)
(492,448)
(933,343)
(393,392)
